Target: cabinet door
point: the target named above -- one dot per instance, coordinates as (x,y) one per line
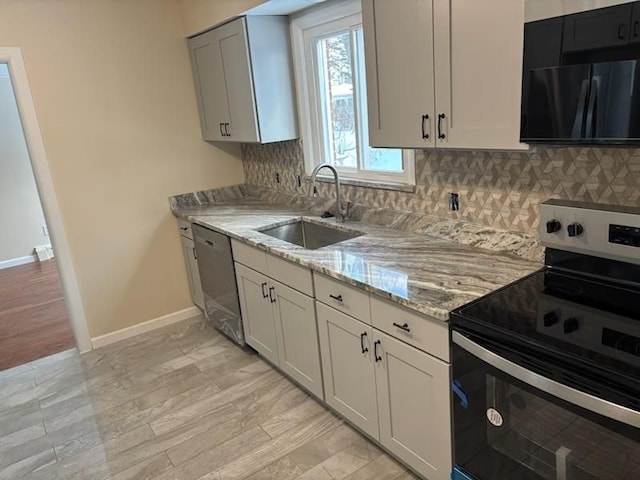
(347,366)
(208,74)
(257,314)
(297,334)
(413,403)
(478,73)
(243,126)
(193,274)
(398,40)
(604,27)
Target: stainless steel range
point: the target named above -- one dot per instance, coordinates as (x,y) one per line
(546,371)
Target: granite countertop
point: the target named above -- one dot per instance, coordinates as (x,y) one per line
(428,273)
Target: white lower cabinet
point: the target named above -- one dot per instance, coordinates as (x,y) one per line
(257,315)
(193,274)
(347,364)
(396,393)
(280,324)
(297,335)
(413,406)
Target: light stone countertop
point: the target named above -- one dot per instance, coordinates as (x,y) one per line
(428,273)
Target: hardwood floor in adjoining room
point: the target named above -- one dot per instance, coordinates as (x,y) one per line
(179,403)
(33,316)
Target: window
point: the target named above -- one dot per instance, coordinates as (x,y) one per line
(330,75)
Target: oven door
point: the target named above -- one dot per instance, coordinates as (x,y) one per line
(512,423)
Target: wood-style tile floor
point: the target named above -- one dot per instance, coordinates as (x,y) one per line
(33,317)
(181,403)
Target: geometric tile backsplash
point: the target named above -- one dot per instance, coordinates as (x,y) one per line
(497,189)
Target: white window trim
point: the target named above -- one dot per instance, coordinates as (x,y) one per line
(303,24)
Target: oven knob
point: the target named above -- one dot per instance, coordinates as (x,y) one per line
(570,325)
(553,226)
(550,318)
(575,230)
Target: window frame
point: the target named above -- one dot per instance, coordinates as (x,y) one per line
(321,21)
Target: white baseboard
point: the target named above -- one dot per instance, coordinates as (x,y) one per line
(145,327)
(14,262)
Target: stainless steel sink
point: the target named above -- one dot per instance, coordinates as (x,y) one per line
(310,235)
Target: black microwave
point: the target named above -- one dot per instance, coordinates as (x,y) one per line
(581,78)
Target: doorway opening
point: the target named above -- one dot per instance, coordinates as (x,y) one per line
(33,317)
(47,266)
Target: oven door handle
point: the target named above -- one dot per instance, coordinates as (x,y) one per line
(556,389)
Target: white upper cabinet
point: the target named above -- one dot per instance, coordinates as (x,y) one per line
(243,79)
(449,70)
(399,66)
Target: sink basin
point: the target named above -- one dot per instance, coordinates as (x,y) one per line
(310,235)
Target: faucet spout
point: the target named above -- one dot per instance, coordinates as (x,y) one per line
(341,214)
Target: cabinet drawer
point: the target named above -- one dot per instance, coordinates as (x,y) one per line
(290,274)
(249,256)
(184,227)
(343,297)
(429,335)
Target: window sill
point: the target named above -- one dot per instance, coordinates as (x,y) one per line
(398,187)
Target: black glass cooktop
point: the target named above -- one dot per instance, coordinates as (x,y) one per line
(582,319)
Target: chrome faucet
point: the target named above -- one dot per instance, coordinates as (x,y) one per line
(341,214)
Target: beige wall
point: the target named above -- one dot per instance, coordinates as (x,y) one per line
(113,90)
(21,217)
(200,15)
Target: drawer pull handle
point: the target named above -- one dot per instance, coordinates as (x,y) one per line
(376,344)
(184,229)
(337,298)
(264,292)
(210,243)
(271,297)
(195,255)
(362,347)
(404,327)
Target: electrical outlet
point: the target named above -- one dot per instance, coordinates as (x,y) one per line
(454,202)
(45,231)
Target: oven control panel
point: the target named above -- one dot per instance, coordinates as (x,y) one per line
(589,328)
(624,235)
(607,231)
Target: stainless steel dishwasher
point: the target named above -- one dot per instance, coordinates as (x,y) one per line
(218,279)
